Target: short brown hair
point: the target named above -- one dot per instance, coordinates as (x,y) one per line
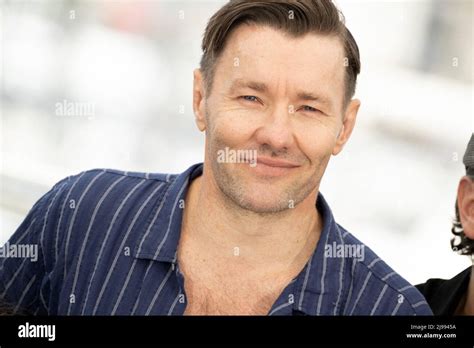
(295,18)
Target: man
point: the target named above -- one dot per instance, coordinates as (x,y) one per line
(247,232)
(456,296)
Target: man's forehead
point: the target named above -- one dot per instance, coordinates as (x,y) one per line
(258,55)
(252,41)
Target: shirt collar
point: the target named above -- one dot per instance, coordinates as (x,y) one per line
(321,280)
(160,238)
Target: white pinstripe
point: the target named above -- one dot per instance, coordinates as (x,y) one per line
(418,304)
(119,252)
(284,305)
(361,292)
(137,300)
(170,312)
(62,211)
(354,262)
(305,283)
(395,310)
(164,238)
(30,283)
(26,231)
(114,218)
(13,278)
(46,220)
(19,240)
(74,217)
(397,307)
(157,293)
(379,299)
(365,283)
(171,219)
(43,300)
(341,271)
(323,277)
(152,223)
(374,262)
(404,288)
(86,237)
(389,275)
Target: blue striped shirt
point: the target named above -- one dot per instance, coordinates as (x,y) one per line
(107,245)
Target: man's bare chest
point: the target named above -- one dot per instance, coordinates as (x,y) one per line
(230,296)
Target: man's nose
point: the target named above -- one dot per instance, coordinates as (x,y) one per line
(276,129)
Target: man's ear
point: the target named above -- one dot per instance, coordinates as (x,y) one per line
(350,115)
(466,205)
(199,100)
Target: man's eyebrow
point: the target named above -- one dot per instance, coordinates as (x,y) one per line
(240,83)
(307,96)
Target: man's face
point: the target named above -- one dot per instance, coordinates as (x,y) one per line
(282,97)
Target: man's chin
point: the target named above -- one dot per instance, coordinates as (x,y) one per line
(257,194)
(263,199)
(263,207)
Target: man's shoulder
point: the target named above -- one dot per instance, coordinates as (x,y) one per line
(387,290)
(95,182)
(90,175)
(83,217)
(99,200)
(105,189)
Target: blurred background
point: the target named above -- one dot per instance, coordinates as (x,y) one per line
(96,84)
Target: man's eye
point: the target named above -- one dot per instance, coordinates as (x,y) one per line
(310,108)
(249,97)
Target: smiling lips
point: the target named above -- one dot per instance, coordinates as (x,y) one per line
(271,162)
(267,166)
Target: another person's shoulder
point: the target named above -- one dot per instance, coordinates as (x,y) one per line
(378,289)
(444,295)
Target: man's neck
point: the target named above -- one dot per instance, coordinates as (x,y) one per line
(278,241)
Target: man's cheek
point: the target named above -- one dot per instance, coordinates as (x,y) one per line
(233,130)
(317,144)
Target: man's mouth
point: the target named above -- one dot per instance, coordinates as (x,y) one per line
(272,167)
(277,163)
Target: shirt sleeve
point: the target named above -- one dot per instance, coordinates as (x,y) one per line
(23,263)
